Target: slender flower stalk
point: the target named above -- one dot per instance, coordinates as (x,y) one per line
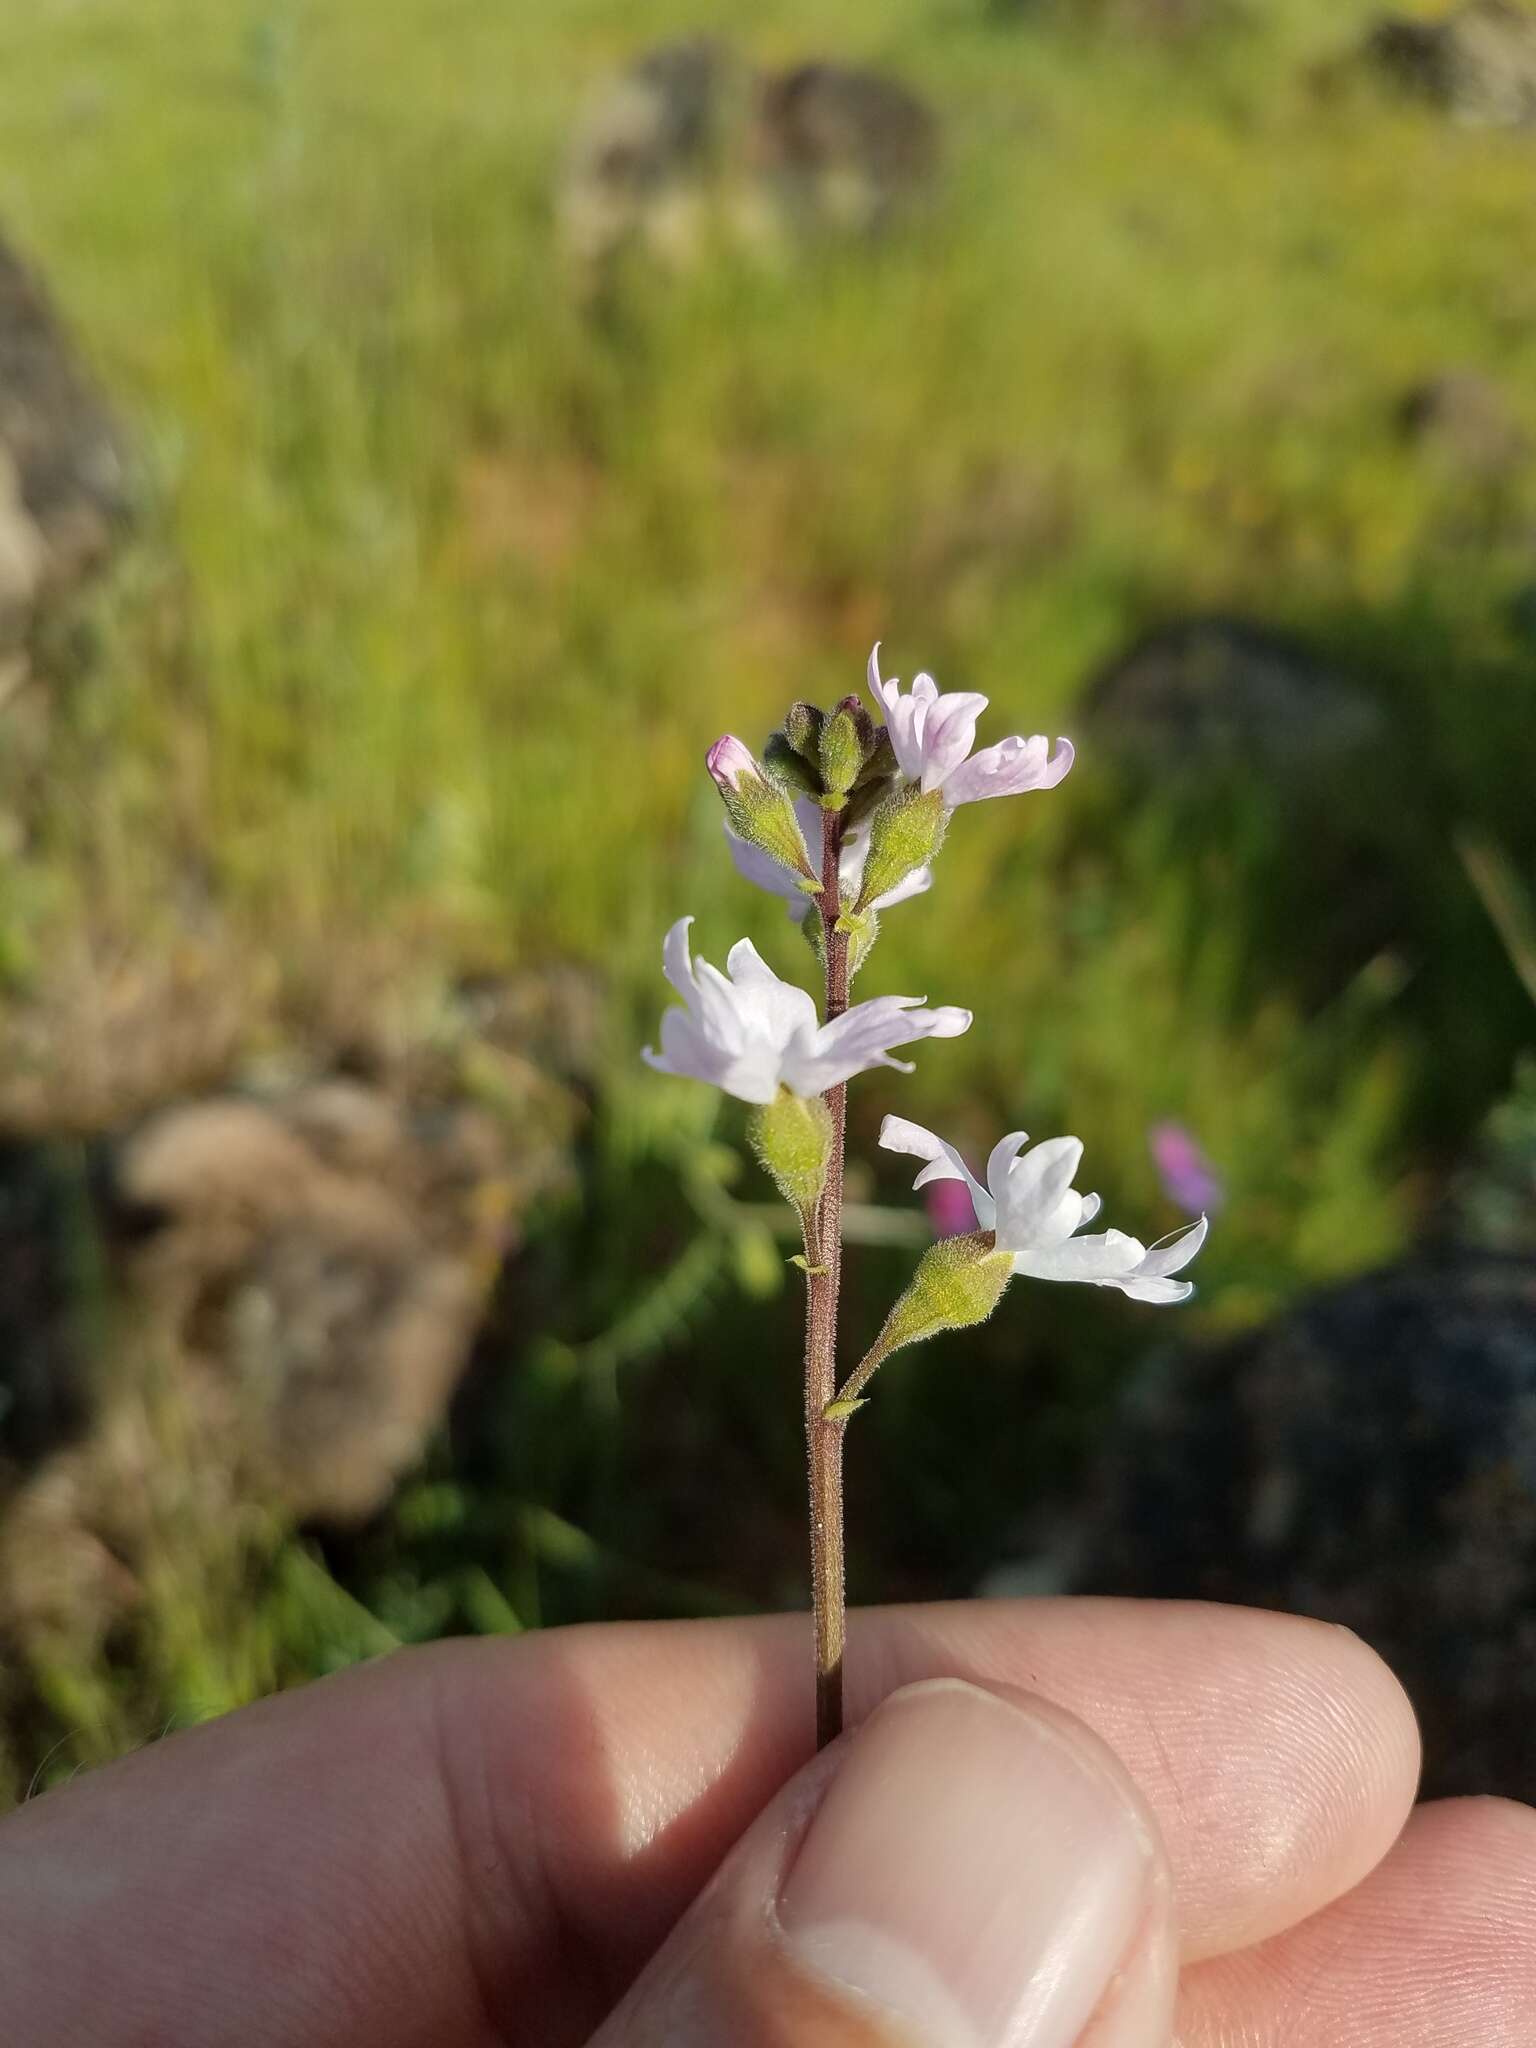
(843,817)
(823,1254)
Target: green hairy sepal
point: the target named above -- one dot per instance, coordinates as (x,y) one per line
(905,833)
(792,1137)
(847,740)
(786,766)
(763,815)
(958,1282)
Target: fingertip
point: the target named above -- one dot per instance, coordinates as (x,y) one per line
(1330,1728)
(970,1865)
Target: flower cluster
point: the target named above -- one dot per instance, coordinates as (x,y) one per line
(853,807)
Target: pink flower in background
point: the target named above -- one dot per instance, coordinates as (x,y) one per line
(1189,1179)
(951,1212)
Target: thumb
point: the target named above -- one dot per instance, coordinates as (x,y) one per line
(970,1869)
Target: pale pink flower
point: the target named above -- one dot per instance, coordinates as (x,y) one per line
(932,735)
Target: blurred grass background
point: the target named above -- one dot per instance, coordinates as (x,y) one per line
(443,588)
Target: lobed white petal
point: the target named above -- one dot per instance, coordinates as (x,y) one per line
(1030,1201)
(1010,768)
(1106,1260)
(759,868)
(1031,1191)
(863,1037)
(1176,1253)
(917,883)
(1155,1290)
(948,734)
(897,1134)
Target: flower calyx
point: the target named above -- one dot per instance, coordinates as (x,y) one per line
(849,739)
(905,833)
(792,1137)
(759,810)
(958,1282)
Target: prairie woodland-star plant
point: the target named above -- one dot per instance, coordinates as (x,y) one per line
(843,817)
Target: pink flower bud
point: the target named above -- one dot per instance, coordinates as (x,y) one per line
(728,760)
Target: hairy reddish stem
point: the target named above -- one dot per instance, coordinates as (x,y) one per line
(824,1251)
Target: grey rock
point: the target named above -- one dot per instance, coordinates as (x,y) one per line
(62,488)
(1369,1460)
(319,1265)
(649,154)
(1478,64)
(845,147)
(252,1310)
(1463,421)
(1224,691)
(690,146)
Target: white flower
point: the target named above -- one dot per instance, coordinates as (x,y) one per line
(933,735)
(1030,1202)
(752,1033)
(768,874)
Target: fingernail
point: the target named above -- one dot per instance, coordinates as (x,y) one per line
(975,1871)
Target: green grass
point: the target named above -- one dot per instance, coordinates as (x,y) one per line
(441,590)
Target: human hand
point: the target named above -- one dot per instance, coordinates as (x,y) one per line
(617,1829)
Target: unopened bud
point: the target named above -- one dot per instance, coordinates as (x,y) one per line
(789,769)
(802,729)
(905,832)
(879,759)
(730,760)
(792,1136)
(842,753)
(869,732)
(872,788)
(759,811)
